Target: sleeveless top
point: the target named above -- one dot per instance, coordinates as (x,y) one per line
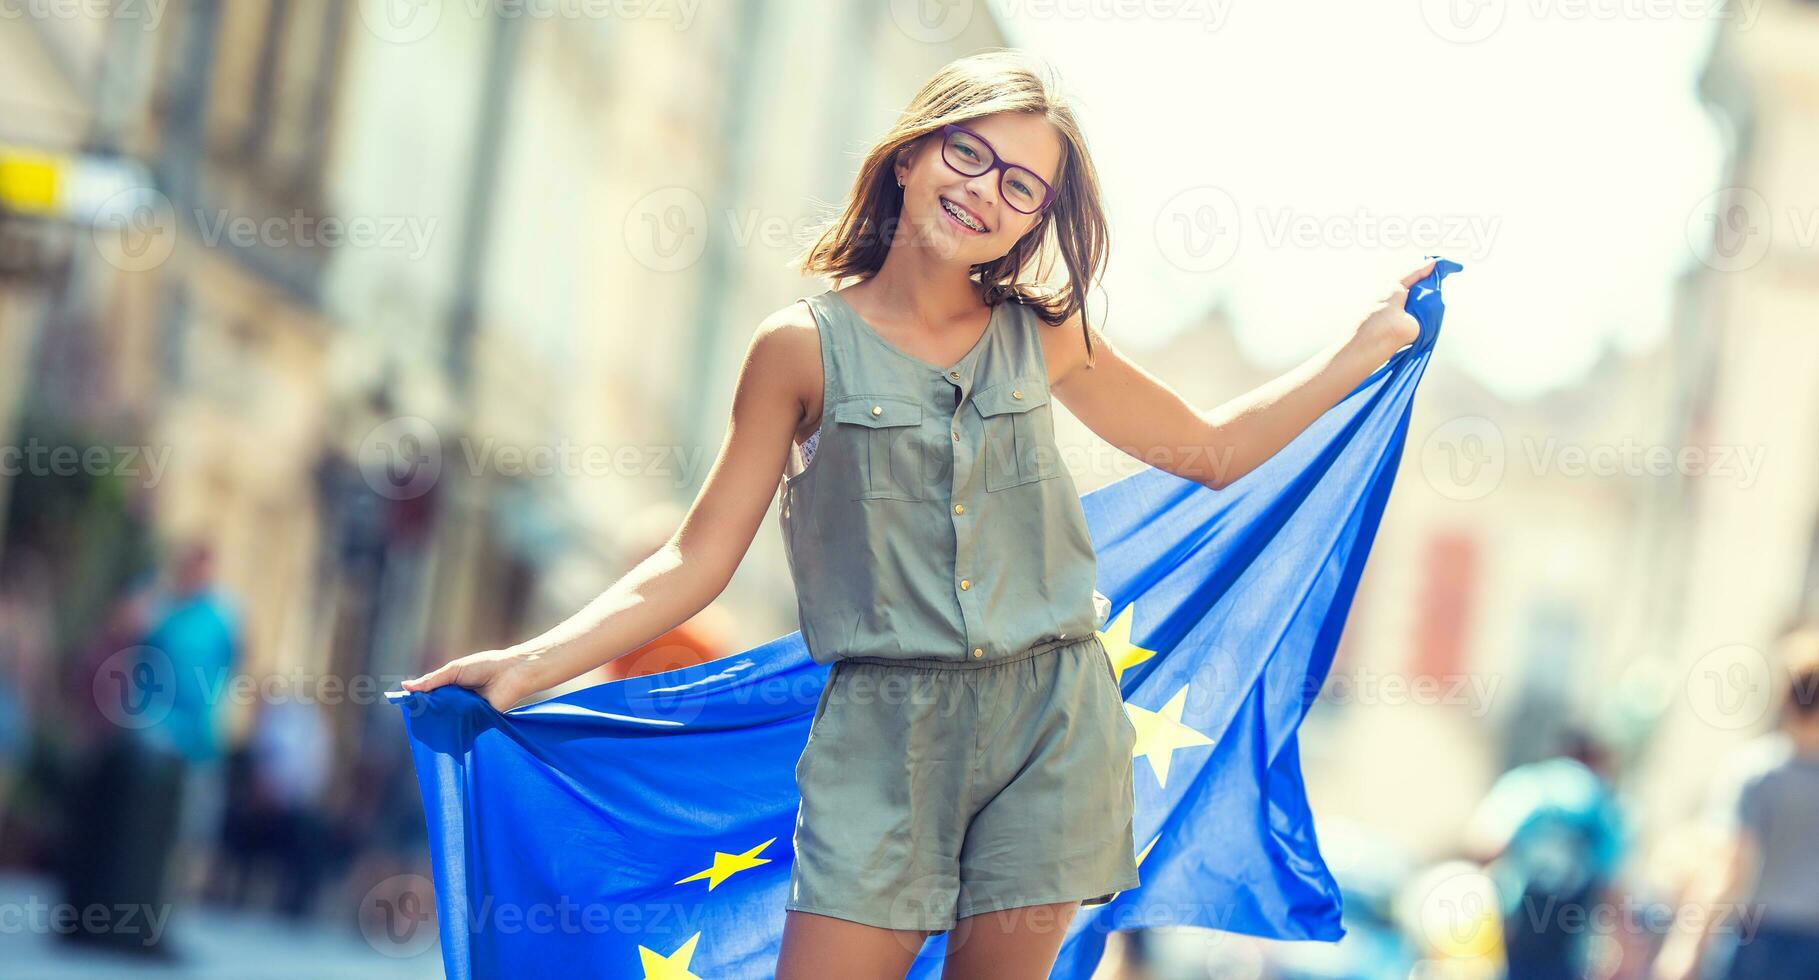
(933,519)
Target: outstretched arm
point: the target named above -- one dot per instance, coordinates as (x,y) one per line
(689,570)
(1141,415)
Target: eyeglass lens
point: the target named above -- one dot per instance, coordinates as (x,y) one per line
(1022,189)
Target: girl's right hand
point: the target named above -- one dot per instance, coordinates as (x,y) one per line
(502,677)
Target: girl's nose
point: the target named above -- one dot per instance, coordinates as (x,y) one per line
(985,189)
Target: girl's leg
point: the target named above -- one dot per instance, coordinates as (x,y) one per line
(1009,944)
(820,946)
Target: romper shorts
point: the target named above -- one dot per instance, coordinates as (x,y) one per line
(934,790)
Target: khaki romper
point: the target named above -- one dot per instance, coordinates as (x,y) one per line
(970,750)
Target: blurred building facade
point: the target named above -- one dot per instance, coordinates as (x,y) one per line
(68,305)
(422,313)
(1747,556)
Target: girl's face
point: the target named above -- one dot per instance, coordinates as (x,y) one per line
(938,200)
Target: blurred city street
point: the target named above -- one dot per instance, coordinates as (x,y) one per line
(207,944)
(341,339)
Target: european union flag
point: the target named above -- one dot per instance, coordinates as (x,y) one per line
(641,828)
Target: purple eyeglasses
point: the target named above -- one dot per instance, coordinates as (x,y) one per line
(970,155)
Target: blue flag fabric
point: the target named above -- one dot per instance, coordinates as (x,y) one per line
(641,828)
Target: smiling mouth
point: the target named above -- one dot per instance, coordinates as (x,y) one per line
(963,217)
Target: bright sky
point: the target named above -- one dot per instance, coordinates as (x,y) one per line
(1559,159)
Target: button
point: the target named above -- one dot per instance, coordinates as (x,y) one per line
(978,652)
(1060,636)
(954,374)
(1016,394)
(964,585)
(956,435)
(959,508)
(877,409)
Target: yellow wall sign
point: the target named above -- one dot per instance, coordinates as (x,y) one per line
(29,181)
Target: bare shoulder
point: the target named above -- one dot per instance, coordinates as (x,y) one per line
(1064,347)
(787,346)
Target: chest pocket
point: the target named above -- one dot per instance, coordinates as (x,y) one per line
(1019,433)
(889,451)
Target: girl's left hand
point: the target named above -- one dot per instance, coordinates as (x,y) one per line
(1389,327)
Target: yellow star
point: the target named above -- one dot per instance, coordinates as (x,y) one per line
(726,865)
(672,967)
(1117,639)
(1160,733)
(1146,848)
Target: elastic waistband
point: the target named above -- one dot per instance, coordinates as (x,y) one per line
(942,663)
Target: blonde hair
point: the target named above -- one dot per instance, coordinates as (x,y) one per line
(854,245)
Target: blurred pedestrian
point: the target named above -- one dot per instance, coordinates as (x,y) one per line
(1761,883)
(195,645)
(90,678)
(293,753)
(275,820)
(118,802)
(25,646)
(380,835)
(1551,835)
(1134,952)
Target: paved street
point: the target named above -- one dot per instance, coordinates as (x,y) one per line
(211,944)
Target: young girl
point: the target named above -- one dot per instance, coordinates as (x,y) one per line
(969,762)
